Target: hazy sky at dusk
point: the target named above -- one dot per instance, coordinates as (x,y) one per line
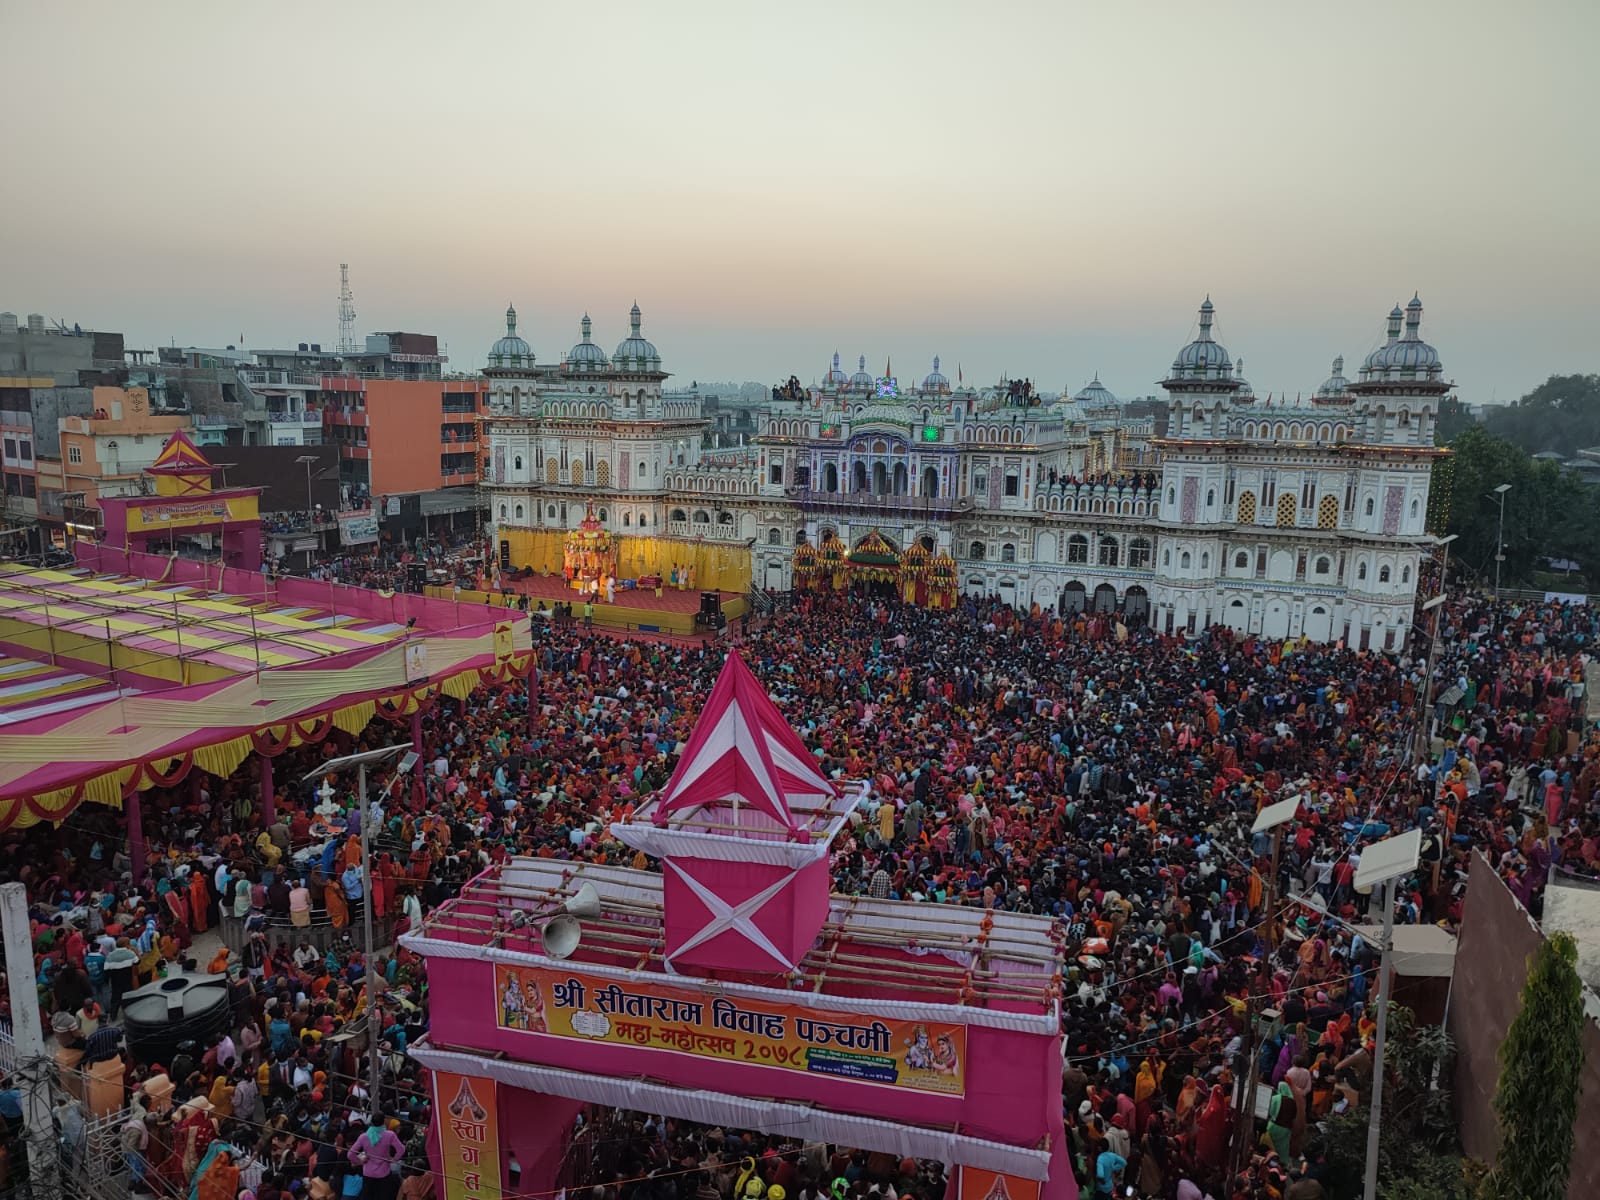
(1047,189)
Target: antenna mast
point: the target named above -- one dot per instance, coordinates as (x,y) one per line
(347,313)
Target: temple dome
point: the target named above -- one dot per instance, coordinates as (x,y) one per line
(1096,395)
(635,352)
(1203,358)
(511,350)
(586,356)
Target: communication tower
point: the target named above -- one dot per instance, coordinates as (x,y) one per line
(347,313)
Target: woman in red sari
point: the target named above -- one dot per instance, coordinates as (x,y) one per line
(1211,1133)
(176,900)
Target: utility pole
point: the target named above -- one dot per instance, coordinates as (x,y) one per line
(1500,539)
(34,1068)
(373,1027)
(1383,865)
(1375,1118)
(408,759)
(1273,817)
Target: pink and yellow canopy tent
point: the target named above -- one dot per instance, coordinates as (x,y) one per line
(127,677)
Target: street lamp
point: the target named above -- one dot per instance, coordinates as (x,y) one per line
(1270,819)
(1500,538)
(1434,605)
(1382,863)
(408,759)
(306,460)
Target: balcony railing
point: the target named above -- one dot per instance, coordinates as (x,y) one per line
(270,378)
(294,418)
(703,529)
(930,506)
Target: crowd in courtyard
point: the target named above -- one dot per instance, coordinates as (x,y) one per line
(1066,766)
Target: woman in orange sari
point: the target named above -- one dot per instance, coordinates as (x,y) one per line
(199,901)
(338,908)
(220,1181)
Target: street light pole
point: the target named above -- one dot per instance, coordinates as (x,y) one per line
(1500,539)
(374,1077)
(1383,865)
(1375,1117)
(408,760)
(311,504)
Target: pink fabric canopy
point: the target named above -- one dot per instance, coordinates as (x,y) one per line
(743,748)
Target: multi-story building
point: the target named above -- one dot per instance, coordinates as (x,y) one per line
(591,427)
(1286,519)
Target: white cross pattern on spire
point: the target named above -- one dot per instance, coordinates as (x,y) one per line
(727,917)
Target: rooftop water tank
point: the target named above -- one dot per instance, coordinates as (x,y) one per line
(179,1008)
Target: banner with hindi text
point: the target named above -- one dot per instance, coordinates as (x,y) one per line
(469,1136)
(925,1056)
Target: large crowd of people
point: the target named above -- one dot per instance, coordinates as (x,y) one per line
(1066,766)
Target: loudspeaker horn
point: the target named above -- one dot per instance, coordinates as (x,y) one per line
(561,936)
(586,903)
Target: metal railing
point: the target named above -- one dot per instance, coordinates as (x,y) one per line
(927,506)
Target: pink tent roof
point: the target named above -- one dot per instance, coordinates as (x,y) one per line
(742,747)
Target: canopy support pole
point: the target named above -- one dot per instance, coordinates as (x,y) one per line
(136,849)
(269,808)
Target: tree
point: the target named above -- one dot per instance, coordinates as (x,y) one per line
(1549,511)
(1562,413)
(1541,1064)
(1417,1151)
(1453,419)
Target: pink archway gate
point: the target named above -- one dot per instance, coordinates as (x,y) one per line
(733,989)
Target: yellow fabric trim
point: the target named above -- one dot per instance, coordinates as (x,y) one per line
(223,758)
(461,685)
(354,718)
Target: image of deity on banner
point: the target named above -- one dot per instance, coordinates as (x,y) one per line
(521,1004)
(937,1056)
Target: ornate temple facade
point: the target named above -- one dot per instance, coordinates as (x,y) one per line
(1286,519)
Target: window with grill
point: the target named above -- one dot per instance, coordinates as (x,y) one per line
(1328,513)
(1247,508)
(1286,509)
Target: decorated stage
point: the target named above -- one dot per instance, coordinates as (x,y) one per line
(637,609)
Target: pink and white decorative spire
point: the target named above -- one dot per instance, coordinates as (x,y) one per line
(742,751)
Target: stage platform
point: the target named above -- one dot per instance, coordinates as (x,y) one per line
(637,609)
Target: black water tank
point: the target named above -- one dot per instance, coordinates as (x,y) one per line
(179,1008)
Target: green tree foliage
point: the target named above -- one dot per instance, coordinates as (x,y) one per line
(1541,1063)
(1549,511)
(1561,414)
(1453,419)
(1417,1152)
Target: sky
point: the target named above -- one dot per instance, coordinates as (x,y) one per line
(1038,190)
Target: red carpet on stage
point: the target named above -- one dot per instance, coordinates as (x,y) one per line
(553,589)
